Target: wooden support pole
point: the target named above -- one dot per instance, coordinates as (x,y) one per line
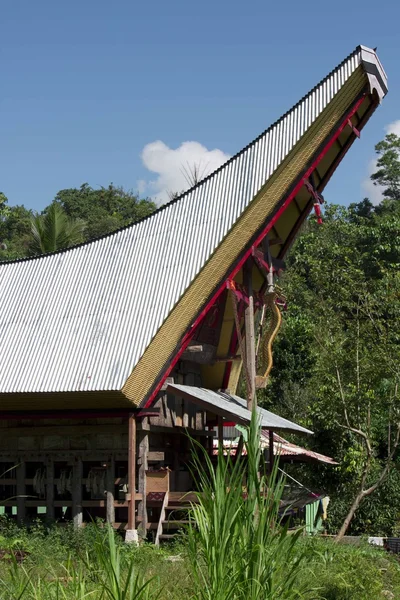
(110,490)
(21,491)
(143,438)
(220,433)
(250,335)
(177,445)
(210,443)
(49,489)
(77,474)
(239,449)
(228,358)
(132,472)
(271,450)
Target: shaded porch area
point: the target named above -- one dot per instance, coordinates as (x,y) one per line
(171,489)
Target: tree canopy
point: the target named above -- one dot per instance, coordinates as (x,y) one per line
(337,358)
(388,166)
(54,230)
(105,209)
(74,215)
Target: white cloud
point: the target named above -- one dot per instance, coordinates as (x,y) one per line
(172,166)
(374,192)
(370,190)
(141,185)
(393,127)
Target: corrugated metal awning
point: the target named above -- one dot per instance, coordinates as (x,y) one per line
(287,451)
(233,408)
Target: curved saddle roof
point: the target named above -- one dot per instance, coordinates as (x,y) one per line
(83,319)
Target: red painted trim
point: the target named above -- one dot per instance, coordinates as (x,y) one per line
(83,414)
(189,334)
(354,128)
(241,295)
(214,423)
(235,288)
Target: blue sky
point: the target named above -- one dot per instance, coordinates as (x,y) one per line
(86,85)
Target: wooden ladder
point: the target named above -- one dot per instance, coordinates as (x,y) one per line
(169,525)
(161,520)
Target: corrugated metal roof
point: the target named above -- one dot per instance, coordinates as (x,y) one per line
(281,448)
(232,407)
(81,319)
(288,449)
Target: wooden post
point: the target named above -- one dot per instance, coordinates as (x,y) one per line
(249,334)
(77,492)
(143,466)
(110,489)
(239,449)
(220,433)
(177,445)
(132,472)
(271,451)
(210,441)
(21,491)
(49,489)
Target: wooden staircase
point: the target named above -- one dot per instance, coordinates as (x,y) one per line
(173,515)
(172,507)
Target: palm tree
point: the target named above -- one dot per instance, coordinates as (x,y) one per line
(54,230)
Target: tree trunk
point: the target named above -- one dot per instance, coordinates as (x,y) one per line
(356,503)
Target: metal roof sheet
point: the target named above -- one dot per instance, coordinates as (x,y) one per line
(282,448)
(80,320)
(232,407)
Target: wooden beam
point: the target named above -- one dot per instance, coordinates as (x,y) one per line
(271,451)
(156,456)
(195,348)
(131,471)
(167,381)
(77,473)
(143,455)
(51,430)
(239,449)
(228,358)
(173,428)
(220,433)
(200,353)
(250,335)
(65,414)
(177,441)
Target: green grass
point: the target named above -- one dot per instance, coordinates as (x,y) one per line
(235,548)
(65,565)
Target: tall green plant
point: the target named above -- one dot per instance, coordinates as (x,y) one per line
(238,547)
(118,580)
(54,230)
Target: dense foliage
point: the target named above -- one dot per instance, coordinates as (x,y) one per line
(66,564)
(105,209)
(75,215)
(337,359)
